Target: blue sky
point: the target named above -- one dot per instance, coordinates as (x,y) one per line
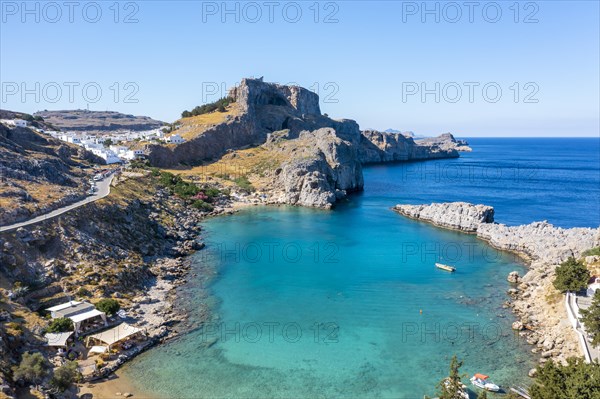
(369,61)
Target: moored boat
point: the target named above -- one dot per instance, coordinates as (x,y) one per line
(445,267)
(482,381)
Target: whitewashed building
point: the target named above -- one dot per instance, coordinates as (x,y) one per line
(174,139)
(106,154)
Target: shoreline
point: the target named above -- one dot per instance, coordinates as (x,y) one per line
(542,318)
(158,313)
(165,293)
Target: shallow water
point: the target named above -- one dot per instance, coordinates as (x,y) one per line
(348,303)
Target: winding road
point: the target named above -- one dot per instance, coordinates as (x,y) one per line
(103,191)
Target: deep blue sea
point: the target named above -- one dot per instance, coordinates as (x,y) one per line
(347,303)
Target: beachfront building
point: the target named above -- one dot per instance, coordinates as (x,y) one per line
(78,312)
(20,123)
(109,337)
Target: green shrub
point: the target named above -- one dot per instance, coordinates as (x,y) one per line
(203,206)
(591,252)
(576,380)
(591,319)
(212,192)
(243,183)
(108,305)
(185,189)
(61,324)
(155,172)
(83,292)
(571,275)
(32,369)
(64,376)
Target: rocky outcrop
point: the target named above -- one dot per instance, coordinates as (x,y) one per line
(455,215)
(378,147)
(323,169)
(544,246)
(445,142)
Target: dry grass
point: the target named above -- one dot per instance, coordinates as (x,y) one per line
(252,163)
(193,126)
(43,194)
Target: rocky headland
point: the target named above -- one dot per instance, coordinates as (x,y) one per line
(540,308)
(292,153)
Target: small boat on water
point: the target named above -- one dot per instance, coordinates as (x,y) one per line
(445,267)
(482,381)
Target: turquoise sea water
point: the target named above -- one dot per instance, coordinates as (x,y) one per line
(348,303)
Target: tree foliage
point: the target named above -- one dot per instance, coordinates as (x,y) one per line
(108,305)
(591,319)
(65,375)
(61,324)
(571,275)
(576,380)
(451,387)
(219,105)
(32,369)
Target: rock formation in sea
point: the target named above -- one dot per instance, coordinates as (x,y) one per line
(542,313)
(314,160)
(455,215)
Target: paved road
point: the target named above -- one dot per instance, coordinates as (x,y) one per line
(103,191)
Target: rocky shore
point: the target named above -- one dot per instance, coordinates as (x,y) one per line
(133,246)
(540,308)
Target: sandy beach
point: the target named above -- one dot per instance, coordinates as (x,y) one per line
(115,386)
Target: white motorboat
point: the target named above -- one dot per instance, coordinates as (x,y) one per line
(482,381)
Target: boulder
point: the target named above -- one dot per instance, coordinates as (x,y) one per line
(513,277)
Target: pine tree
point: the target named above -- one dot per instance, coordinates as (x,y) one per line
(576,380)
(571,275)
(451,387)
(590,317)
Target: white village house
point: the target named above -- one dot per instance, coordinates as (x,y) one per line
(174,139)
